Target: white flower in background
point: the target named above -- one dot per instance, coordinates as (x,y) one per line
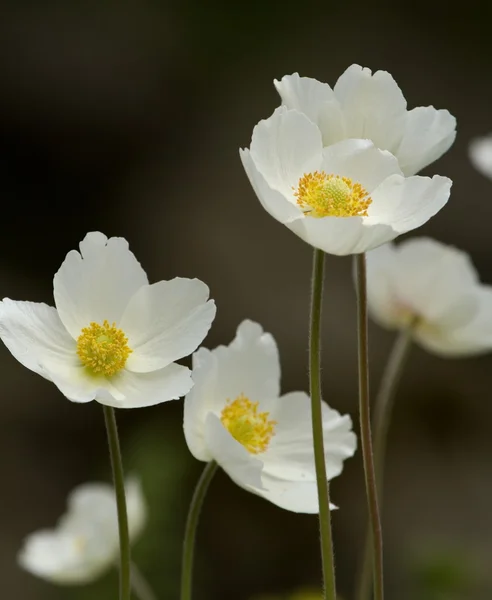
(85,542)
(363,105)
(235,415)
(347,198)
(481,155)
(112,337)
(434,287)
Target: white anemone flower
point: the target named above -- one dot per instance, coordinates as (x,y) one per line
(112,337)
(371,106)
(85,542)
(346,198)
(435,289)
(235,415)
(480,151)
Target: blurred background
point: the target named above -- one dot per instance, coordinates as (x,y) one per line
(127,118)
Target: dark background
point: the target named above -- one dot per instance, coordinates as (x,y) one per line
(127,118)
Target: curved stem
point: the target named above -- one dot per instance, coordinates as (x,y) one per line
(382,417)
(327,559)
(119,487)
(365,428)
(191,526)
(140,585)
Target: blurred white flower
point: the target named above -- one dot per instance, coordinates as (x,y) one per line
(367,106)
(346,198)
(480,150)
(434,287)
(85,542)
(112,337)
(235,415)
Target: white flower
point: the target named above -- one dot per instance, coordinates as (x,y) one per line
(481,155)
(435,287)
(347,198)
(112,337)
(263,441)
(363,105)
(85,542)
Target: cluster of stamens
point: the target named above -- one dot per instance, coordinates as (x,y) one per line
(103,349)
(321,195)
(249,427)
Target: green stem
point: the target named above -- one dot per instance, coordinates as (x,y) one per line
(365,428)
(119,487)
(382,417)
(191,526)
(327,559)
(140,585)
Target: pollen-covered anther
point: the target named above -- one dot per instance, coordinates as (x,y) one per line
(249,427)
(103,349)
(321,195)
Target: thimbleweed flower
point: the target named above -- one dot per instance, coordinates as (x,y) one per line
(346,198)
(434,289)
(235,415)
(85,542)
(480,150)
(112,337)
(371,106)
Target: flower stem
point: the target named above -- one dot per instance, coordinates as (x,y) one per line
(191,526)
(365,428)
(382,417)
(119,487)
(140,585)
(327,559)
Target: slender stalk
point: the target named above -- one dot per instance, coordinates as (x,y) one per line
(191,526)
(119,487)
(327,559)
(382,417)
(140,585)
(365,428)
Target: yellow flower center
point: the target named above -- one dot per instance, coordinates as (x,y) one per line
(321,195)
(249,427)
(103,349)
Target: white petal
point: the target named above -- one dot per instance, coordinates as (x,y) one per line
(284,147)
(481,155)
(237,462)
(136,507)
(342,235)
(288,472)
(98,283)
(34,334)
(430,277)
(361,161)
(473,337)
(272,201)
(166,321)
(382,273)
(373,106)
(136,390)
(427,135)
(63,559)
(406,204)
(249,365)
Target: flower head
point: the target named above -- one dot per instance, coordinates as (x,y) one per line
(112,337)
(371,106)
(346,198)
(481,155)
(435,289)
(85,541)
(235,415)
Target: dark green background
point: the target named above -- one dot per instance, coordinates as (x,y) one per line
(127,117)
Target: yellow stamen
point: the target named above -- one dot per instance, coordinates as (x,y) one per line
(246,425)
(321,195)
(103,349)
